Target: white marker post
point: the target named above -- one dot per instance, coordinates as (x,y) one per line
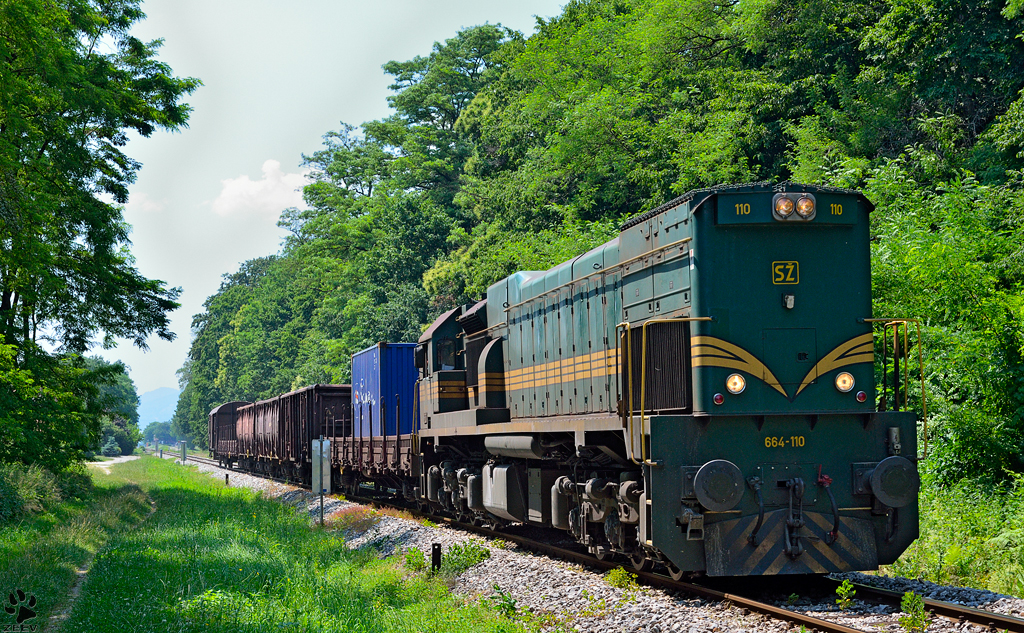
(322,470)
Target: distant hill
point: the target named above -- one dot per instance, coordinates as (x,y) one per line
(157,405)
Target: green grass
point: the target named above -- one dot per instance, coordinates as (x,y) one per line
(224,559)
(41,553)
(970,536)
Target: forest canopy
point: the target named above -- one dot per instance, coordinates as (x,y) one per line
(504,152)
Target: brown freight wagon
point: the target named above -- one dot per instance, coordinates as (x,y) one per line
(275,436)
(223,440)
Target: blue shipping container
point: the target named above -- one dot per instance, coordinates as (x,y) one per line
(383,381)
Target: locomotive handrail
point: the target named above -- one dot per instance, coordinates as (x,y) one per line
(416,418)
(493,327)
(604,270)
(643,379)
(643,372)
(629,369)
(895,323)
(482,333)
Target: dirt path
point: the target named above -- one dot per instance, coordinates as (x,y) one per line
(105,466)
(57,620)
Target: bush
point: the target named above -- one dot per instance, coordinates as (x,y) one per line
(966,444)
(622,579)
(26,490)
(354,520)
(415,559)
(917,618)
(75,482)
(462,556)
(125,434)
(111,449)
(10,505)
(972,535)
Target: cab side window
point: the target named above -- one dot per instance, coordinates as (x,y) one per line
(445,353)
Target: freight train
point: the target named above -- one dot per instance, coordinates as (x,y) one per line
(700,393)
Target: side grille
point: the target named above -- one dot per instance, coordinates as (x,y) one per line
(668,366)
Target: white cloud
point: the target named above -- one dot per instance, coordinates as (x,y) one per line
(268,196)
(141,202)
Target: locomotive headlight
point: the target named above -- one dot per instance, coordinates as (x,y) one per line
(805,207)
(845,382)
(735,384)
(784,206)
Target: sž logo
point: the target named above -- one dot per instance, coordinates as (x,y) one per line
(23,608)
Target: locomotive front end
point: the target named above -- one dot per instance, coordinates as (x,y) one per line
(783,458)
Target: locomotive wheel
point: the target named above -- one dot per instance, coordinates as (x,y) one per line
(604,554)
(640,561)
(674,572)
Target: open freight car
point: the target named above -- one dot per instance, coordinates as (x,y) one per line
(223,436)
(274,436)
(381,444)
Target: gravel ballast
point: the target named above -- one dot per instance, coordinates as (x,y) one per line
(572,597)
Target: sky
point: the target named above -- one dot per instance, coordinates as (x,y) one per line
(277,76)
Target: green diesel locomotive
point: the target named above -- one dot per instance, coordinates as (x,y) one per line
(698,393)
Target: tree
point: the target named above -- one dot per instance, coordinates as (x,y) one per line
(351,273)
(66,273)
(504,154)
(49,414)
(126,437)
(65,109)
(161,431)
(117,393)
(111,448)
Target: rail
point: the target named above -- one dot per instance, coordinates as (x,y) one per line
(946,610)
(648,578)
(949,610)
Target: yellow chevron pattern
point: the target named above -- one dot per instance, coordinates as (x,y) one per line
(708,351)
(705,351)
(857,350)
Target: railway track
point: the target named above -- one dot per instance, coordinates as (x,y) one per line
(948,610)
(958,613)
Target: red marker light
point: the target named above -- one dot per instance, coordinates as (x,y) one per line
(861,396)
(719,398)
